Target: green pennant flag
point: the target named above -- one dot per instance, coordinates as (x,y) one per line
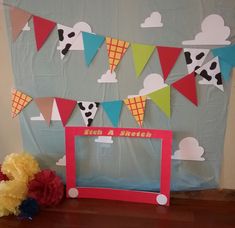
(161,98)
(141,54)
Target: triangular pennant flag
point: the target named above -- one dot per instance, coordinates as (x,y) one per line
(113,110)
(42,29)
(226,69)
(45,107)
(141,54)
(187,87)
(65,108)
(226,58)
(162,98)
(194,58)
(226,53)
(116,49)
(19,101)
(211,74)
(18,18)
(88,110)
(168,57)
(91,44)
(67,37)
(136,105)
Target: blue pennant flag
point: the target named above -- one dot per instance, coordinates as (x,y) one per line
(226,58)
(113,110)
(91,43)
(225,69)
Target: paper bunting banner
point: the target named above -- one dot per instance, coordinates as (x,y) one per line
(19,101)
(168,57)
(194,58)
(113,110)
(116,50)
(226,58)
(18,18)
(45,107)
(67,37)
(162,98)
(187,87)
(136,105)
(65,108)
(88,110)
(141,54)
(211,74)
(42,29)
(91,44)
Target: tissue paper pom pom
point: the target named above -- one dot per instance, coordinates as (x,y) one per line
(11,195)
(46,188)
(20,166)
(28,208)
(2,176)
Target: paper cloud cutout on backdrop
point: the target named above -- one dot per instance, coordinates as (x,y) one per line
(214,32)
(104,139)
(108,77)
(61,161)
(189,149)
(151,83)
(26,27)
(55,114)
(154,20)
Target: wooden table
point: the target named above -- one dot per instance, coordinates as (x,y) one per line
(89,213)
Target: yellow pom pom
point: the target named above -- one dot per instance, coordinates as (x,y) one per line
(20,166)
(11,195)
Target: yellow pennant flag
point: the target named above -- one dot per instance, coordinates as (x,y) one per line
(19,101)
(136,105)
(116,50)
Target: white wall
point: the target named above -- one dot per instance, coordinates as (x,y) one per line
(10,140)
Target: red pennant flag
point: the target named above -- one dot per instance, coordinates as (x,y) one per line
(19,18)
(65,108)
(42,29)
(45,105)
(168,57)
(187,87)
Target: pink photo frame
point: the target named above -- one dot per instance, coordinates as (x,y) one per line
(73,191)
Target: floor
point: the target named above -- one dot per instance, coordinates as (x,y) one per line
(186,210)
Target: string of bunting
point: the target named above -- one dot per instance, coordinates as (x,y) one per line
(136,105)
(223,60)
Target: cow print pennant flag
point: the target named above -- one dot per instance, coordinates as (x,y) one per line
(194,58)
(88,110)
(67,37)
(211,74)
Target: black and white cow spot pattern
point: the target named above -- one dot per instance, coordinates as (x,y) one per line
(88,111)
(211,73)
(67,36)
(194,58)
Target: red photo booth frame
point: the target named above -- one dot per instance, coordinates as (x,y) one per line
(161,198)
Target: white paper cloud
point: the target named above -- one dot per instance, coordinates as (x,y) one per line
(214,32)
(153,21)
(108,77)
(61,161)
(55,114)
(189,149)
(26,27)
(104,139)
(81,27)
(151,83)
